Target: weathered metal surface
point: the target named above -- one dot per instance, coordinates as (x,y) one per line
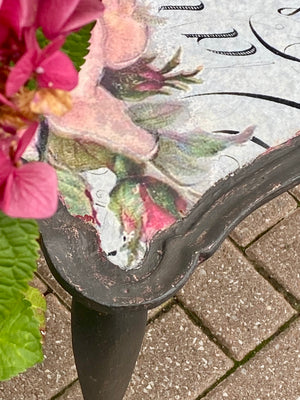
(72,252)
(105,349)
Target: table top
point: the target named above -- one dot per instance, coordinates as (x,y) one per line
(174,97)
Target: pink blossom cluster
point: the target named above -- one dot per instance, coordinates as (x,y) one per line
(34,80)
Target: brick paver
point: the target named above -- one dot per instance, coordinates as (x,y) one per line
(45,273)
(273,373)
(38,284)
(57,370)
(296,193)
(72,393)
(227,296)
(278,253)
(240,307)
(263,218)
(177,360)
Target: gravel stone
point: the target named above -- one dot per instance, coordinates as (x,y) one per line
(57,370)
(278,252)
(273,373)
(238,306)
(263,218)
(177,360)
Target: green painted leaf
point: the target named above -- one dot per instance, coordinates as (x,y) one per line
(184,158)
(72,188)
(126,203)
(173,63)
(125,167)
(164,196)
(77,156)
(76,45)
(125,198)
(153,116)
(20,338)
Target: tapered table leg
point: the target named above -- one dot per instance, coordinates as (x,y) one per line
(106,347)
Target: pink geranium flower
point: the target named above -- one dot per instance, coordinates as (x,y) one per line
(18,14)
(26,190)
(50,66)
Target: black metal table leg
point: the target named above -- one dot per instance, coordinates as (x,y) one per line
(106,347)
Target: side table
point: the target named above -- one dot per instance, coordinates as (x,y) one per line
(178,174)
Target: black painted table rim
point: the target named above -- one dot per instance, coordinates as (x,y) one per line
(71,246)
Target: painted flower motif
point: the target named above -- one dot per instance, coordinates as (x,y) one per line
(107,122)
(26,190)
(154,218)
(125,38)
(141,80)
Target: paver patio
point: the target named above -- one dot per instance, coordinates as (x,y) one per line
(233,332)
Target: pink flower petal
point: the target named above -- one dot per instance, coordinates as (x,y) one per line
(53,14)
(52,48)
(5,166)
(20,73)
(11,13)
(58,72)
(25,140)
(86,12)
(72,15)
(31,192)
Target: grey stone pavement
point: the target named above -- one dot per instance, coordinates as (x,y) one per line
(232,333)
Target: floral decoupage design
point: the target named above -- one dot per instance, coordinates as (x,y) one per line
(128,158)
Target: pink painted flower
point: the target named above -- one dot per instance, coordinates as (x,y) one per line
(61,17)
(141,79)
(125,38)
(106,121)
(50,66)
(26,190)
(155,218)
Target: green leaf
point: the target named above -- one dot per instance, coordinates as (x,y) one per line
(72,188)
(77,43)
(75,46)
(38,305)
(63,152)
(41,38)
(20,338)
(153,116)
